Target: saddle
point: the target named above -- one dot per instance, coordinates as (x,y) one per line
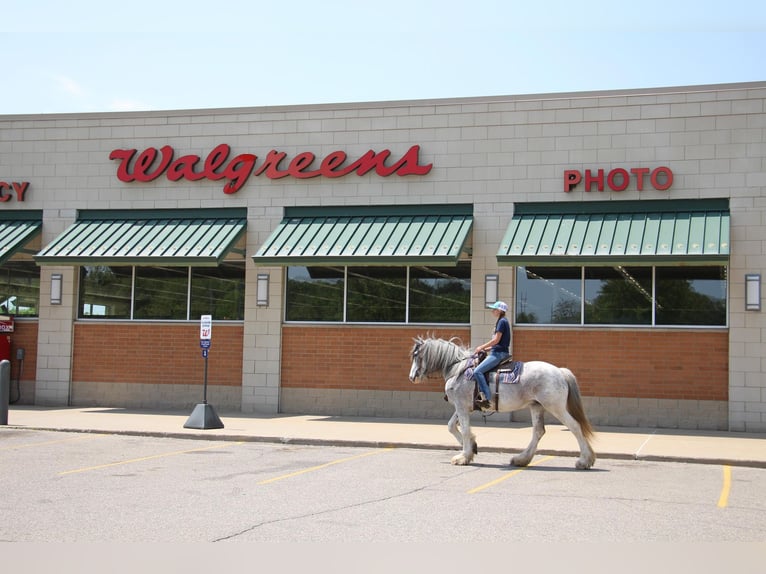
(507,371)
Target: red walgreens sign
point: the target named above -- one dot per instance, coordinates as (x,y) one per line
(152,163)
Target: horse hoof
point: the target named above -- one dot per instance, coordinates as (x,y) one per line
(460,460)
(582,465)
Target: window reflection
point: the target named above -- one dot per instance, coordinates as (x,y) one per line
(548,295)
(379,294)
(126,292)
(161,293)
(620,295)
(691,295)
(19,288)
(105,292)
(314,294)
(218,291)
(440,294)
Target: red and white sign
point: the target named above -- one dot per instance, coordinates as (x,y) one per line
(205,327)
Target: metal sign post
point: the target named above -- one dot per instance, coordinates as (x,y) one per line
(204,416)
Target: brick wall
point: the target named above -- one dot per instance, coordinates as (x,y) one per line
(24,337)
(155,354)
(679,364)
(355,357)
(682,365)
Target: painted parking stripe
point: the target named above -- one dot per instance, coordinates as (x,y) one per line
(507,476)
(321,466)
(47,442)
(723,499)
(152,457)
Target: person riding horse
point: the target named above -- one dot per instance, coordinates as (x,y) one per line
(499,348)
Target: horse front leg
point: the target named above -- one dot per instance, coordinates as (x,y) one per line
(538,430)
(467,438)
(452,427)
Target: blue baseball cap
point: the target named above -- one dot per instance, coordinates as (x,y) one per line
(499,305)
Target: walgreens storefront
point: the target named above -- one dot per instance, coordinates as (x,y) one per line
(618,226)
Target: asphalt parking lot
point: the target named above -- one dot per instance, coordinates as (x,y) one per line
(76,487)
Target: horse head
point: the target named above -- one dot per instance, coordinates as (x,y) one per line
(416,371)
(431,355)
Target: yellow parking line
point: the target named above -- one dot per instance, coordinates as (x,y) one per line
(143,458)
(507,476)
(46,443)
(723,500)
(321,466)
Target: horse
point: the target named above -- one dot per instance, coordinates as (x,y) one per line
(541,387)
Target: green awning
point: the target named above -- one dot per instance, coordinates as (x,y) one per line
(157,237)
(631,232)
(16,230)
(427,235)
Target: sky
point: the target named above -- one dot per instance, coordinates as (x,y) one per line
(100,56)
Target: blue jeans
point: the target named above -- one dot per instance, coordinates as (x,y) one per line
(493,359)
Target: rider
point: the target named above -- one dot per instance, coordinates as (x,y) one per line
(499,348)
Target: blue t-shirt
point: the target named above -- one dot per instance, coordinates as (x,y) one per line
(504,327)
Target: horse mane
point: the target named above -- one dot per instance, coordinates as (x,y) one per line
(437,354)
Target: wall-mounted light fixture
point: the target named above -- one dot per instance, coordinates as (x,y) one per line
(56,280)
(753,292)
(490,289)
(262,290)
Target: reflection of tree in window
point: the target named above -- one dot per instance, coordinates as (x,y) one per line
(161,292)
(618,295)
(218,291)
(440,294)
(377,294)
(314,294)
(105,292)
(19,288)
(548,295)
(691,295)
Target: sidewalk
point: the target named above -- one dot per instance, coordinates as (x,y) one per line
(494,435)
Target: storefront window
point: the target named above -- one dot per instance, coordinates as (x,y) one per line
(440,294)
(163,293)
(691,295)
(618,295)
(218,291)
(105,292)
(314,294)
(19,288)
(379,294)
(548,295)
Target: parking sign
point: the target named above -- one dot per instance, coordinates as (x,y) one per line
(206,327)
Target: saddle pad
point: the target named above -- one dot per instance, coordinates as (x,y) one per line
(511,374)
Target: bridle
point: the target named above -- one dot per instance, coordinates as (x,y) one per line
(416,360)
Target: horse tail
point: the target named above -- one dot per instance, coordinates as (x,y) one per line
(574,403)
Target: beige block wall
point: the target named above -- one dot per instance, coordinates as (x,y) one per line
(490,152)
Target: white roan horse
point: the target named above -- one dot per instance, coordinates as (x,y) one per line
(541,387)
